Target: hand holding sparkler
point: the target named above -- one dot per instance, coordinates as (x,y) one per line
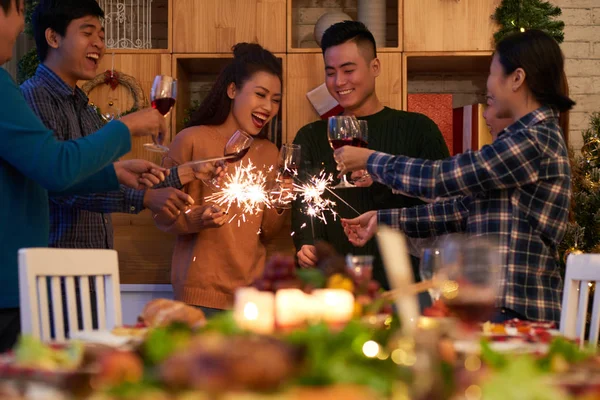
(361,229)
(206,216)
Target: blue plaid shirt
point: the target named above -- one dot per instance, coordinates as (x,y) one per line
(517,189)
(79,221)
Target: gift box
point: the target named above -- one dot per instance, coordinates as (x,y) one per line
(470,129)
(438,107)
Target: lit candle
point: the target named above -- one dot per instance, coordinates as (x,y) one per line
(293,308)
(254,310)
(336,306)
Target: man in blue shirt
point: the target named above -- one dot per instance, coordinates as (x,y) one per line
(33,162)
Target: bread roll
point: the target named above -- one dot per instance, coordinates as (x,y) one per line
(163,312)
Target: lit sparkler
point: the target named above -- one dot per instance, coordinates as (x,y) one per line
(312,196)
(245,188)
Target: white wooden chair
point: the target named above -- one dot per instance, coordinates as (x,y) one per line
(582,269)
(37,265)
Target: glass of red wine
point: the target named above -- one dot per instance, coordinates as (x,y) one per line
(162,97)
(289,159)
(236,148)
(344,131)
(471,269)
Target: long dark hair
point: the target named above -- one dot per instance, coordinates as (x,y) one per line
(248,59)
(539,55)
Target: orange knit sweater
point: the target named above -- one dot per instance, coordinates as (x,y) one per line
(209,264)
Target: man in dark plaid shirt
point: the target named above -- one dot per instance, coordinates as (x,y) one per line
(70,44)
(517,189)
(84,221)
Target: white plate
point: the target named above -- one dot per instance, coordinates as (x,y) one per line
(510,346)
(102,337)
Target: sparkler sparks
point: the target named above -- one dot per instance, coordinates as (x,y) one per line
(245,188)
(311,194)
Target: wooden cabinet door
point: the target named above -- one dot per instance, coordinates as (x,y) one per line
(307,71)
(449,25)
(214,26)
(144,251)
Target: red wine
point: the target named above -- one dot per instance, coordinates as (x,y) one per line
(471,311)
(238,155)
(357,142)
(337,143)
(163,105)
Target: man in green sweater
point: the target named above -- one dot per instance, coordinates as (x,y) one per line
(351,68)
(33,162)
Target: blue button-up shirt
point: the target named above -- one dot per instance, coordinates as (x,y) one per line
(79,221)
(517,190)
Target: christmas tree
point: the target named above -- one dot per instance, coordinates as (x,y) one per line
(583,233)
(29,62)
(520,15)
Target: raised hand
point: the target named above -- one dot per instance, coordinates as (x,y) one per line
(169,201)
(146,122)
(307,256)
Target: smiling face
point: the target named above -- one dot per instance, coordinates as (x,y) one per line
(80,50)
(11,25)
(349,75)
(256,102)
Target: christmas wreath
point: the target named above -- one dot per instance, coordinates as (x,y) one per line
(114,79)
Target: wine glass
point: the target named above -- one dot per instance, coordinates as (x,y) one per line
(162,97)
(471,268)
(360,269)
(289,159)
(344,131)
(429,269)
(364,132)
(236,148)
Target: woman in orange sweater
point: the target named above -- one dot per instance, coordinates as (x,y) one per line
(212,257)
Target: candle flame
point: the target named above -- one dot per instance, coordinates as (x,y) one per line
(251,311)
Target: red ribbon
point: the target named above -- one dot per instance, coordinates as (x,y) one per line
(111,78)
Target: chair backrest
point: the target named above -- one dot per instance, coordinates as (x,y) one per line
(582,270)
(48,279)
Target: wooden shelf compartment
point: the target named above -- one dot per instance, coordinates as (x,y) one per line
(302,16)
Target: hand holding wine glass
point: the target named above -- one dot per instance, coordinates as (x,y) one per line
(289,159)
(345,134)
(146,122)
(236,148)
(162,97)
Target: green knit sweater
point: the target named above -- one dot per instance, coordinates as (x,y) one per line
(391,131)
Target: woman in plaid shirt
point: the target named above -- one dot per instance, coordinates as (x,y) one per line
(517,189)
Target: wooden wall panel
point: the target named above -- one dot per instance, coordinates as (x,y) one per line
(144,251)
(448,25)
(214,26)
